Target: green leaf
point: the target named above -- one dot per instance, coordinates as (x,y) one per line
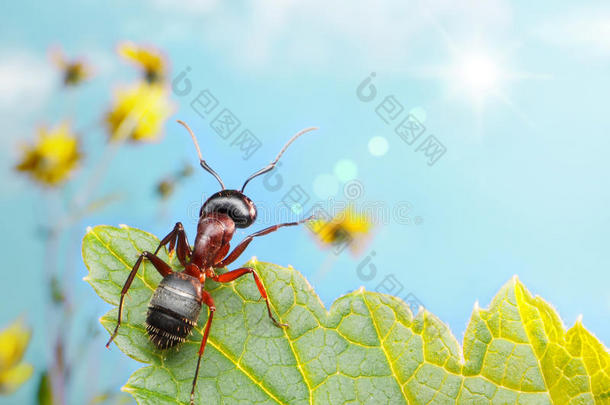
(368,349)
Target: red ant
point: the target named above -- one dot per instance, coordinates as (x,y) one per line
(174,308)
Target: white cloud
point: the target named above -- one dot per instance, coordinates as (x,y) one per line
(193,6)
(585,32)
(104,62)
(276,34)
(383,32)
(26,82)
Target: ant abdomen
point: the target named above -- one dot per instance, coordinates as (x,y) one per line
(173,310)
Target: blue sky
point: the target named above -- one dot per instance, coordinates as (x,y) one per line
(515,91)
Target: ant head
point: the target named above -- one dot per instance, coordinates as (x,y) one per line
(232,203)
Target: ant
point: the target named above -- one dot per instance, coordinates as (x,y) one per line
(174,308)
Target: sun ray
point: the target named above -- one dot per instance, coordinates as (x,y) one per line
(478,73)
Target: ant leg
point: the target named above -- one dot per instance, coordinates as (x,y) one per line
(163,268)
(177,239)
(207,299)
(239,249)
(234,274)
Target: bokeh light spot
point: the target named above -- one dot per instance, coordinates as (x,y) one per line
(346,170)
(419,113)
(378,146)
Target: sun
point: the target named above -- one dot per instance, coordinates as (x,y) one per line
(477,76)
(479,73)
(480,76)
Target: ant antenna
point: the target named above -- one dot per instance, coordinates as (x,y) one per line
(202,162)
(272,164)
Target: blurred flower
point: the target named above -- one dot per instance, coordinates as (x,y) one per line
(13,342)
(165,187)
(149,59)
(74,71)
(186,171)
(346,228)
(57,294)
(139,113)
(52,159)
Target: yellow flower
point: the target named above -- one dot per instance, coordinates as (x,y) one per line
(151,60)
(74,71)
(165,188)
(52,159)
(139,113)
(13,342)
(348,228)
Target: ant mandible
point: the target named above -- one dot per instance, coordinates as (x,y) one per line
(174,308)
